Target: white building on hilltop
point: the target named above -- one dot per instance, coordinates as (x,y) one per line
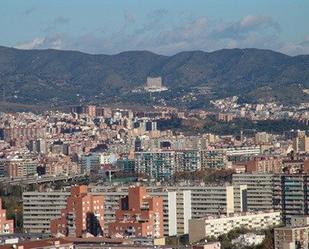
(154,84)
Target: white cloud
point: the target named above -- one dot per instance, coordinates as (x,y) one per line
(196,34)
(35,43)
(254,21)
(295,48)
(54,42)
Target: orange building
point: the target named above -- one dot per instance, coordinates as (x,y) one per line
(84,213)
(6,226)
(139,215)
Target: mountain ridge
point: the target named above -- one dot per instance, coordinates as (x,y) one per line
(60,77)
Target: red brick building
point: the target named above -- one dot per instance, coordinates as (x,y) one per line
(139,215)
(84,213)
(6,226)
(264,165)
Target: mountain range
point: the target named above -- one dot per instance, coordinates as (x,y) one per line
(55,77)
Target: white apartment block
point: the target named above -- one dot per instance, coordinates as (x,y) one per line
(40,207)
(212,226)
(209,199)
(239,151)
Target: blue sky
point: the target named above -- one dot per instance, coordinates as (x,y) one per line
(161,26)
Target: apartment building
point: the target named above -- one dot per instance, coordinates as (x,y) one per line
(139,215)
(180,203)
(291,237)
(187,160)
(214,226)
(17,167)
(89,162)
(209,199)
(213,159)
(159,165)
(301,143)
(83,213)
(240,198)
(163,164)
(39,208)
(176,207)
(244,150)
(294,235)
(176,210)
(243,153)
(259,190)
(264,165)
(291,195)
(6,226)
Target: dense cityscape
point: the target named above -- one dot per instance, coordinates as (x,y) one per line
(98,175)
(134,124)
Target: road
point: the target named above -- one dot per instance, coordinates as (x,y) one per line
(37,179)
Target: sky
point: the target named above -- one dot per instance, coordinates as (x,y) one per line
(161,26)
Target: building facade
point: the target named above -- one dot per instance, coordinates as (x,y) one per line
(215,226)
(39,208)
(83,213)
(259,190)
(291,195)
(139,215)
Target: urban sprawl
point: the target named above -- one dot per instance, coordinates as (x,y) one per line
(98,177)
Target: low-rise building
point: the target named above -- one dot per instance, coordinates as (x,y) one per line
(291,237)
(212,226)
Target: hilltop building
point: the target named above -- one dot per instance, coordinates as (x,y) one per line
(154,84)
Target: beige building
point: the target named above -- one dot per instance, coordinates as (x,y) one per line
(301,144)
(262,138)
(293,236)
(214,226)
(39,208)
